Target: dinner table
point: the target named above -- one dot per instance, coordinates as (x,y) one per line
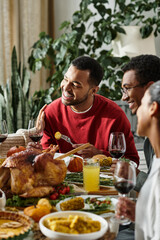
(104,190)
(36,234)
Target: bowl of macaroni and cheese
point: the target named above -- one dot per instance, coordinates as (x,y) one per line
(73,225)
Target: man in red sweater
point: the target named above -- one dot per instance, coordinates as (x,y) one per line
(85,116)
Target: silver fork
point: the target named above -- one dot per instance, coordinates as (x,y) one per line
(58,136)
(67,139)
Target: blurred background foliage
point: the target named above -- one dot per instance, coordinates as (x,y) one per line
(90,33)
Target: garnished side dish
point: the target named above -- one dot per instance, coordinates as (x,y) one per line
(96,205)
(99,205)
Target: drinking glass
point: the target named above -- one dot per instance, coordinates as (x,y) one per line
(3,131)
(35,134)
(117,144)
(3,136)
(2,200)
(91,170)
(124,181)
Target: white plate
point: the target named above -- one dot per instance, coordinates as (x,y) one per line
(66,159)
(87,206)
(65,236)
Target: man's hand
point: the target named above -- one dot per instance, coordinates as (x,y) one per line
(125,207)
(87,152)
(40,123)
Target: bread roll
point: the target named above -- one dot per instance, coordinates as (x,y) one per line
(103,159)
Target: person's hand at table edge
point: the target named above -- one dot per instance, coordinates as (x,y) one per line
(88,152)
(125,207)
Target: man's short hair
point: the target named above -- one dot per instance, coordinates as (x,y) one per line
(88,63)
(147,68)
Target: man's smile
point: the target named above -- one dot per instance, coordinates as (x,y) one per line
(67,96)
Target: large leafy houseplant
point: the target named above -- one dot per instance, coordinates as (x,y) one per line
(15,105)
(91,33)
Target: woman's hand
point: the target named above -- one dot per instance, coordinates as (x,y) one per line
(125,207)
(113,166)
(40,123)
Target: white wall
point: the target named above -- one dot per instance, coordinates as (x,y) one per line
(157,43)
(63,11)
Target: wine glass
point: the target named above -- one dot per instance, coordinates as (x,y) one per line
(3,136)
(3,131)
(35,133)
(124,181)
(117,144)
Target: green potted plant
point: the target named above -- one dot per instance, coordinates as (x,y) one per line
(15,105)
(91,32)
(105,23)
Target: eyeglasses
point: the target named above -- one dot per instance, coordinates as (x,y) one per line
(125,90)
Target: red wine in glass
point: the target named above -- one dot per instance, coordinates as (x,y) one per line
(3,134)
(124,181)
(36,138)
(34,133)
(124,187)
(116,153)
(3,131)
(2,138)
(117,144)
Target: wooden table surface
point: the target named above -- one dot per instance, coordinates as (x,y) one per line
(36,234)
(108,190)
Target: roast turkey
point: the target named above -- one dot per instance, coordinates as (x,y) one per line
(32,173)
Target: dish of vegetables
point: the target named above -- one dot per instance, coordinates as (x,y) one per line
(77,177)
(95,204)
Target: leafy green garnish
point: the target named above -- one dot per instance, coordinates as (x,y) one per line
(17,201)
(98,205)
